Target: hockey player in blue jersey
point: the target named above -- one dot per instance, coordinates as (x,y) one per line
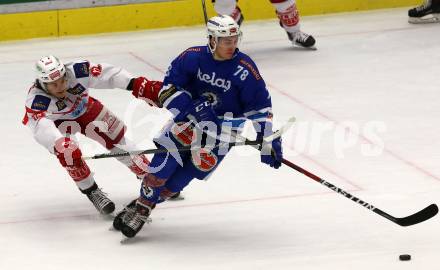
(205,87)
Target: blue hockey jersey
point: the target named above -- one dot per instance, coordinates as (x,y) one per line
(233,86)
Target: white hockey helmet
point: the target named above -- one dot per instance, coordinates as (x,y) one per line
(49,69)
(222,26)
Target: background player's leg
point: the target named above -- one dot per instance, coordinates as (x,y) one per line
(229,7)
(428,12)
(288,14)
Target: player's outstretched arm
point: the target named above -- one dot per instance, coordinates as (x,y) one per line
(147,90)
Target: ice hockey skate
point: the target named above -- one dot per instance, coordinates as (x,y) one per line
(428,12)
(131,221)
(100,200)
(302,40)
(124,215)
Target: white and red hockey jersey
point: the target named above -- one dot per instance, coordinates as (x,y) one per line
(43,109)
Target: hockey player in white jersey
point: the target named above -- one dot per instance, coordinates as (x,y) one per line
(428,12)
(286,11)
(58,104)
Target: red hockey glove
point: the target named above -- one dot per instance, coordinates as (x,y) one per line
(68,152)
(147,90)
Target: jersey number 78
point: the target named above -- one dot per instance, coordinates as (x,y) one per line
(244,73)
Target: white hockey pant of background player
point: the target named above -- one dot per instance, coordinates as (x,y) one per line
(286,11)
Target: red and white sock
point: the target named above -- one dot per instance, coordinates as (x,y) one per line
(288,14)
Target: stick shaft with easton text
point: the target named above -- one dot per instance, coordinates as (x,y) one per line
(418,217)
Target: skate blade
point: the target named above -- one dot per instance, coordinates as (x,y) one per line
(110,216)
(180,198)
(127,241)
(132,240)
(431,18)
(112,229)
(301,48)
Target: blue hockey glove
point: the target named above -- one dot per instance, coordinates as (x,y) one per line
(188,132)
(272,153)
(200,110)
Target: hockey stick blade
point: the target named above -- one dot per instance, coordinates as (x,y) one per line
(418,217)
(413,219)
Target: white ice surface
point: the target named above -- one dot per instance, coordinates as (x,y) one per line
(370,66)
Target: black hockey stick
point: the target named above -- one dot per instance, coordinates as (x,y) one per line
(204,11)
(418,217)
(238,142)
(423,215)
(166,150)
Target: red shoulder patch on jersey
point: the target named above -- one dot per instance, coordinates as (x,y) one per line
(251,68)
(96,70)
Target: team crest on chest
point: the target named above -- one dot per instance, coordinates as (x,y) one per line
(60,105)
(77,89)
